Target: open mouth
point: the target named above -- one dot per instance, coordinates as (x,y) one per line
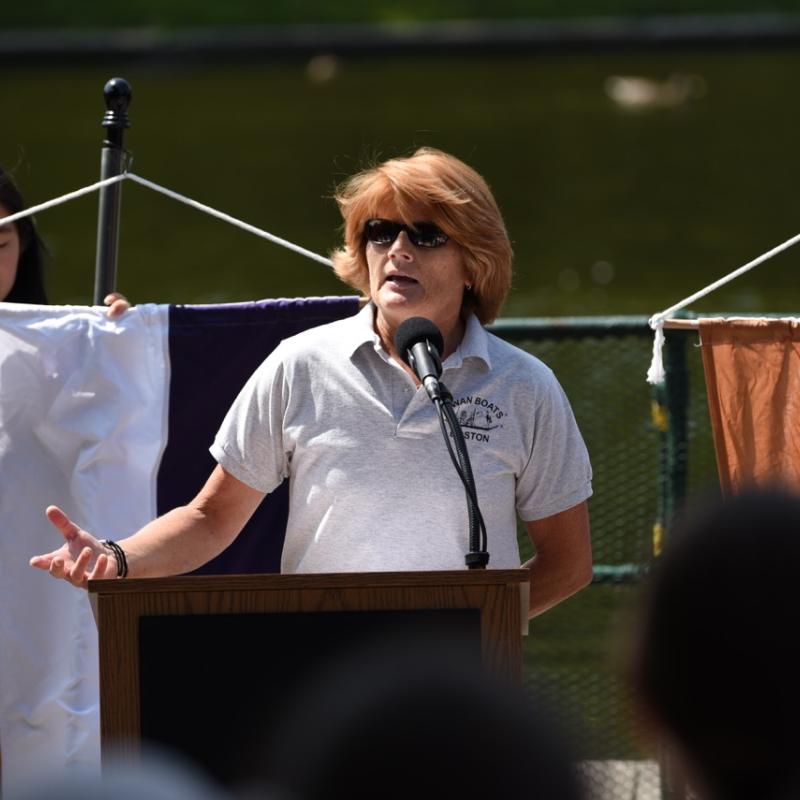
(401,280)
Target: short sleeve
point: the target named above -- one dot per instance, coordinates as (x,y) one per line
(250,441)
(558,474)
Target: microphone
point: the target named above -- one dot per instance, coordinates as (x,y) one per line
(419,343)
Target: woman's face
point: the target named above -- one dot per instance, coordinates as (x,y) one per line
(406,280)
(9,254)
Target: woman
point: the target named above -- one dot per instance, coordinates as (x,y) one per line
(22,256)
(335,408)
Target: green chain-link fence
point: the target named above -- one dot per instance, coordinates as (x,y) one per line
(649,450)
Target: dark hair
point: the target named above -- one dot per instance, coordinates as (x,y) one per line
(28,285)
(715,662)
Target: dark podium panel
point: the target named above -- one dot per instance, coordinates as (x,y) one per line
(207,665)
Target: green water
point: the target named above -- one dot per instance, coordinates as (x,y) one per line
(611,210)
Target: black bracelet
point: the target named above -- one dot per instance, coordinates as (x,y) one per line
(119,557)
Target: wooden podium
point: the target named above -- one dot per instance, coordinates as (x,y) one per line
(199,664)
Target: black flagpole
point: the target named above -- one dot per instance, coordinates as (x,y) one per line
(117,93)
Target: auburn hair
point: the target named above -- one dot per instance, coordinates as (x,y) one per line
(458,200)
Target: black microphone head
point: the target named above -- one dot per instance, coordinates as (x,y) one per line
(414,330)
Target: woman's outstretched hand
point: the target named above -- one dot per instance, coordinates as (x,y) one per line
(80,559)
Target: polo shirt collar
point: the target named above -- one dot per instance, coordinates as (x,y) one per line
(360,331)
(475,344)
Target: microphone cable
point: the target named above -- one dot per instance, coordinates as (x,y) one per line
(477,557)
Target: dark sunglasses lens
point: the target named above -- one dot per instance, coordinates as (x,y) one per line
(422,234)
(382,231)
(426,234)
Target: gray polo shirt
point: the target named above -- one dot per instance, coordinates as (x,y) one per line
(372,486)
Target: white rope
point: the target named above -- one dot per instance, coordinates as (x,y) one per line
(656,372)
(175,196)
(63,199)
(232,220)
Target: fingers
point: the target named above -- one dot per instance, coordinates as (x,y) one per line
(72,560)
(69,530)
(76,575)
(118,304)
(74,572)
(41,562)
(99,571)
(58,567)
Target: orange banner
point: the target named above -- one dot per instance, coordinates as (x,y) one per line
(752,369)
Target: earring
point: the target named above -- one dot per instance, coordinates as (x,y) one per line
(468,287)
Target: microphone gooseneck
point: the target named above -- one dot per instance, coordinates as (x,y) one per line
(419,343)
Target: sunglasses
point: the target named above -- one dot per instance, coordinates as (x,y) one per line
(421,234)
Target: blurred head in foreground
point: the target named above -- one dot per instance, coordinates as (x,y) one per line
(715,661)
(396,722)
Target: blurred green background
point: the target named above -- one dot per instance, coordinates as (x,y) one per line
(179,13)
(628,177)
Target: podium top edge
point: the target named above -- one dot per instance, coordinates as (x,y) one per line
(337,580)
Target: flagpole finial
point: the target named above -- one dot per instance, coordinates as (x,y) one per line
(118,95)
